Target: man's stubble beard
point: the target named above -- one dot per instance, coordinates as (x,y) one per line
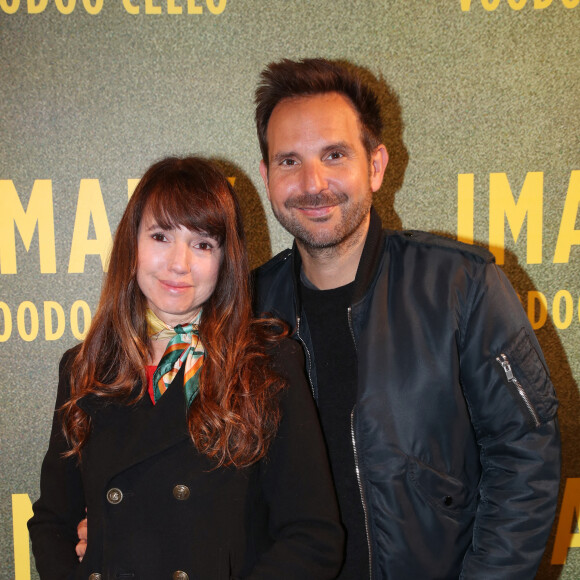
(318,242)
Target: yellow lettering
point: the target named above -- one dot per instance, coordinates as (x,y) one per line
(7,315)
(130,8)
(34,8)
(501,203)
(465,5)
(21,321)
(221,6)
(150,8)
(10,8)
(49,308)
(93,8)
(65,8)
(538,298)
(517,4)
(569,520)
(465,189)
(74,319)
(192,7)
(131,185)
(490,5)
(570,3)
(568,235)
(39,211)
(568,312)
(90,205)
(21,513)
(541,4)
(172,8)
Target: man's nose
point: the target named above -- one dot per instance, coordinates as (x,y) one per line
(314,177)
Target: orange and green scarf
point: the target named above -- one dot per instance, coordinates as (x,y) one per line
(184,347)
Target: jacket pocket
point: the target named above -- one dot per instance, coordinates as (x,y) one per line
(446,494)
(528,380)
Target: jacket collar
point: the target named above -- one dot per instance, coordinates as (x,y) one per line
(367,267)
(370,258)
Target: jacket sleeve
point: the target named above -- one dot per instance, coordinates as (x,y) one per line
(513,410)
(297,485)
(53,526)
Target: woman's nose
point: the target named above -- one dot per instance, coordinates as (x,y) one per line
(179,260)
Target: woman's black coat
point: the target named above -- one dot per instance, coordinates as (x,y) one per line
(156,507)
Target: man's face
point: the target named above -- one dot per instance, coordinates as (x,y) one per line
(320,180)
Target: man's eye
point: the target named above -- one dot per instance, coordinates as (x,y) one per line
(335,155)
(288,162)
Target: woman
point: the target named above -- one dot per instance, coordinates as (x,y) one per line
(186,429)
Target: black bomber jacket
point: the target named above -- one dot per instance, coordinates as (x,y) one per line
(454,430)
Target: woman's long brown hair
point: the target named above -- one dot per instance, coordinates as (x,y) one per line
(236,414)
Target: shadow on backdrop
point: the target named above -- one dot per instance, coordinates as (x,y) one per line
(392,137)
(254,216)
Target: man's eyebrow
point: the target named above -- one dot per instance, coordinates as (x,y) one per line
(341,145)
(283,155)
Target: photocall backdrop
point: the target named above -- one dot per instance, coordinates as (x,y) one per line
(481,101)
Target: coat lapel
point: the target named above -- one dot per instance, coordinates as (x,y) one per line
(130,434)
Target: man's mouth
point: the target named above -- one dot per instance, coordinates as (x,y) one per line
(318,211)
(324,201)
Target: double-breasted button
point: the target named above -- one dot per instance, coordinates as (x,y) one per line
(181,492)
(95,576)
(114,496)
(179,575)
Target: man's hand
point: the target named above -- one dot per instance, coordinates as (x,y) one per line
(81,547)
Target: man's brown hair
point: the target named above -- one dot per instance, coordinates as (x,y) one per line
(290,79)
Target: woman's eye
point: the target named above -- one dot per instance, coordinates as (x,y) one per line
(204,246)
(159,237)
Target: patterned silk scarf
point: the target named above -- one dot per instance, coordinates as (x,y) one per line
(184,346)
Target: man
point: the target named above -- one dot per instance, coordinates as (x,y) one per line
(434,397)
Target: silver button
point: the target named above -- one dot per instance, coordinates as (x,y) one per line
(95,576)
(179,575)
(181,492)
(114,496)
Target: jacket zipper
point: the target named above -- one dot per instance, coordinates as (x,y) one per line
(362,493)
(356,460)
(505,363)
(349,316)
(308,358)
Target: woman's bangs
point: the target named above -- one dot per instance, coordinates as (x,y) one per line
(176,205)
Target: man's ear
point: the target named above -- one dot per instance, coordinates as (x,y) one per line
(264,174)
(379,161)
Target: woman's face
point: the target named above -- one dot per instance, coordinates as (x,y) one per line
(177,269)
